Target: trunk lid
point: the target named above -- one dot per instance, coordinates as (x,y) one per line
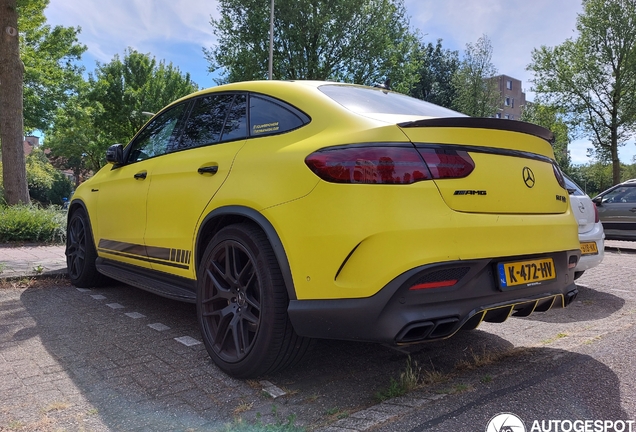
(514,170)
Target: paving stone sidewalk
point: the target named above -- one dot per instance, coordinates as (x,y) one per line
(31,260)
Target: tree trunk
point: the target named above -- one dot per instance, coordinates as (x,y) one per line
(11,125)
(616,163)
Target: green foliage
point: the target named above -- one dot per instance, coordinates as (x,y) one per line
(409,380)
(109,108)
(437,68)
(593,76)
(553,118)
(30,223)
(359,41)
(122,90)
(74,140)
(597,176)
(475,93)
(47,185)
(49,56)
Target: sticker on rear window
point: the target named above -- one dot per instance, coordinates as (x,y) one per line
(265,127)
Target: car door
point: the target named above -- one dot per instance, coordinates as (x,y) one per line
(617,210)
(122,195)
(184,182)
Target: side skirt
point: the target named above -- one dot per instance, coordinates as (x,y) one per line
(165,285)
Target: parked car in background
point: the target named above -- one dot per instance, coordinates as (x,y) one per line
(617,210)
(291,210)
(591,233)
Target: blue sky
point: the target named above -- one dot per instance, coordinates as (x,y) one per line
(177,30)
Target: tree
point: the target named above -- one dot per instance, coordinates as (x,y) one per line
(47,185)
(50,56)
(111,107)
(594,76)
(74,141)
(552,118)
(359,41)
(11,106)
(124,90)
(40,73)
(438,66)
(476,94)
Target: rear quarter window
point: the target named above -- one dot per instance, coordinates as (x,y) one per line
(270,116)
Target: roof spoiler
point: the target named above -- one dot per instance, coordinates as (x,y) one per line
(484,123)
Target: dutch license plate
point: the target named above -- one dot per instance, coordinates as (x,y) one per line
(589,248)
(531,272)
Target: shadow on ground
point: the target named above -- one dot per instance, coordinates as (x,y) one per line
(124,375)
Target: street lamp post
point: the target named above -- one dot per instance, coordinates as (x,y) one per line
(271,39)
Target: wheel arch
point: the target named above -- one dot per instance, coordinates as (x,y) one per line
(76,205)
(230,215)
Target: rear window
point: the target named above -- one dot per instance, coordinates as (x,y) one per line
(368,100)
(573,188)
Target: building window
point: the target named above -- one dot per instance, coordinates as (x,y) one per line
(507,116)
(512,102)
(498,115)
(509,84)
(507,101)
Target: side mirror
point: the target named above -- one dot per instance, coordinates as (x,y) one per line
(115,154)
(598,201)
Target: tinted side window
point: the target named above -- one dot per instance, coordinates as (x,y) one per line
(158,136)
(205,124)
(622,194)
(269,116)
(236,123)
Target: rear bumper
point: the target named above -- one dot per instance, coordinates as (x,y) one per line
(592,260)
(398,315)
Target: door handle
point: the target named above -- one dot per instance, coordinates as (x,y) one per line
(208,170)
(141,175)
(633,210)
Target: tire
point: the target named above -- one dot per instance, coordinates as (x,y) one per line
(242,305)
(80,251)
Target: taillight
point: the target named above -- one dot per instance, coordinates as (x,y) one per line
(447,163)
(386,164)
(596,218)
(559,175)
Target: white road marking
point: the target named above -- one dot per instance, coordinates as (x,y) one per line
(158,327)
(187,340)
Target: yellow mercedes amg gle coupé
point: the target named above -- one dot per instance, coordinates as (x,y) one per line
(295,210)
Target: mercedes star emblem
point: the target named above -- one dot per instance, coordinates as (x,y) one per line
(528,177)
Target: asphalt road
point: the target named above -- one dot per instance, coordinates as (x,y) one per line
(117,358)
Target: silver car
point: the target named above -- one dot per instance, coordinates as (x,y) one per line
(617,210)
(591,233)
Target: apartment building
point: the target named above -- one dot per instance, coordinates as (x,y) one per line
(513,99)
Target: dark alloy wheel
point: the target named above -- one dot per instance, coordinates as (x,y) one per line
(80,251)
(242,304)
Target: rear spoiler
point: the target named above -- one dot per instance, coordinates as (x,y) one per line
(483,123)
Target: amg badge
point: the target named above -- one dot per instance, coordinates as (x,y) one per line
(470,192)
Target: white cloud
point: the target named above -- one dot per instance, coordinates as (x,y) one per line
(177,30)
(108,28)
(515,27)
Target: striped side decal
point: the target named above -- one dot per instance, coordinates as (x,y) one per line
(178,258)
